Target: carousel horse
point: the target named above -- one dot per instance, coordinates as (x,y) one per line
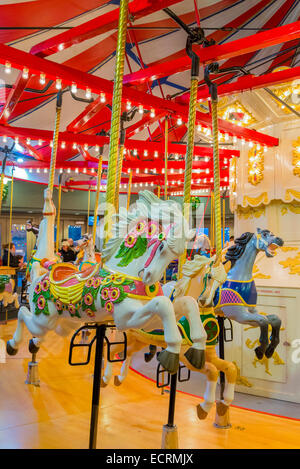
(126,290)
(237,297)
(202,274)
(7,294)
(87,255)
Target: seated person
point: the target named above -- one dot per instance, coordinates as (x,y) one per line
(15,260)
(67,254)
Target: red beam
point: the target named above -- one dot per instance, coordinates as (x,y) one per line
(250,82)
(97,26)
(216,53)
(92,140)
(97,85)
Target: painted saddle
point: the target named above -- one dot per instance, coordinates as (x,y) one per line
(236,292)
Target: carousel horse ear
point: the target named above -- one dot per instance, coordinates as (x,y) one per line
(227,266)
(259,230)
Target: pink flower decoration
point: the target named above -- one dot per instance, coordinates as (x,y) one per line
(130,240)
(41,302)
(38,288)
(89,282)
(45,284)
(114,293)
(97,282)
(109,306)
(71,308)
(90,313)
(59,305)
(88,299)
(152,229)
(104,293)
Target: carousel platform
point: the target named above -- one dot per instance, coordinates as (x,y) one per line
(56,414)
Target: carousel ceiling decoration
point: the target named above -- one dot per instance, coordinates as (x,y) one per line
(288,93)
(73,51)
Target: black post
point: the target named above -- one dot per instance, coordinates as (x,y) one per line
(221,354)
(172,400)
(100,334)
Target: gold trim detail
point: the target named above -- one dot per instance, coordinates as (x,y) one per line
(255,201)
(293,263)
(233,113)
(296,157)
(289,193)
(251,212)
(255,165)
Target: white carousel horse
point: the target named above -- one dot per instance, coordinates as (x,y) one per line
(7,295)
(126,290)
(202,275)
(87,255)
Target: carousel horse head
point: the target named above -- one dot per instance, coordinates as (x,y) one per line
(262,240)
(202,275)
(84,241)
(149,238)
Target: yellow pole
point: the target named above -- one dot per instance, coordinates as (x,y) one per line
(88,214)
(118,178)
(212,219)
(115,117)
(55,142)
(166,157)
(158,192)
(97,199)
(129,190)
(58,217)
(10,215)
(217,200)
(1,188)
(223,222)
(189,159)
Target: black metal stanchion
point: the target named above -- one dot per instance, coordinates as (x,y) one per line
(99,338)
(100,334)
(221,354)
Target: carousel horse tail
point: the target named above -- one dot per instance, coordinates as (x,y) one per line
(149,355)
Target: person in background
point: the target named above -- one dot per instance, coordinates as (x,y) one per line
(230,242)
(15,260)
(67,254)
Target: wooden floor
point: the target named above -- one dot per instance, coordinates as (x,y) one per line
(57,414)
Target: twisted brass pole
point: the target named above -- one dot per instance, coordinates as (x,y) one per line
(119,169)
(97,199)
(10,215)
(55,142)
(58,217)
(189,159)
(115,117)
(166,157)
(217,200)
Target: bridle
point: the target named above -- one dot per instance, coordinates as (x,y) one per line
(205,278)
(156,242)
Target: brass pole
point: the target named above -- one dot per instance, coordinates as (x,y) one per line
(88,214)
(166,157)
(217,200)
(55,142)
(115,117)
(223,222)
(58,217)
(189,159)
(10,215)
(158,192)
(97,199)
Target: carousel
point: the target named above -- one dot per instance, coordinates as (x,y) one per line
(175,124)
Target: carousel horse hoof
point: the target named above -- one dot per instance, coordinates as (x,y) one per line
(259,353)
(32,347)
(117,381)
(221,408)
(103,384)
(169,360)
(201,413)
(195,357)
(270,350)
(10,350)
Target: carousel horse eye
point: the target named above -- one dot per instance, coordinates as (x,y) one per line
(161,246)
(209,277)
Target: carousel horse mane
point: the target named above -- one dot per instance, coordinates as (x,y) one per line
(237,250)
(148,207)
(189,271)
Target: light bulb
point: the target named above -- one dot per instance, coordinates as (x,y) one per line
(74,88)
(42,78)
(7,67)
(25,73)
(88,93)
